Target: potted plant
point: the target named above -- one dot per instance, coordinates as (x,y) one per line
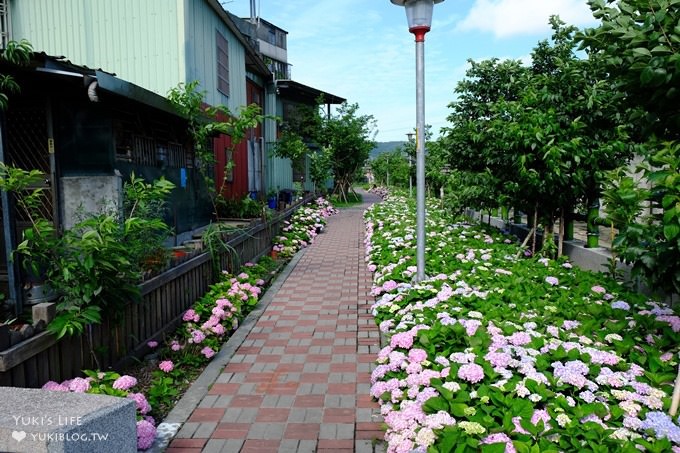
(272,199)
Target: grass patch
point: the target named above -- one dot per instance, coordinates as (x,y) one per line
(352,200)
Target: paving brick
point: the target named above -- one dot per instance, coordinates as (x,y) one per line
(188,443)
(297,446)
(231,431)
(307,431)
(187,430)
(266,431)
(300,380)
(259,446)
(206,415)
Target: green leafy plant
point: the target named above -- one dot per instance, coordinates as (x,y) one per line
(18,53)
(533,354)
(94,266)
(206,122)
(650,242)
(146,232)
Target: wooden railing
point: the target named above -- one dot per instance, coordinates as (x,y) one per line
(116,343)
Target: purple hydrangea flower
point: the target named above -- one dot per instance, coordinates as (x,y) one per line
(662,425)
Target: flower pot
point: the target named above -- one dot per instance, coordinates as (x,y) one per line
(274,254)
(272,202)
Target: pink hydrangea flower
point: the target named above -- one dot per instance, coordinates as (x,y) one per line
(166,366)
(402,339)
(190,315)
(146,434)
(175,346)
(197,336)
(389,285)
(124,382)
(598,289)
(208,352)
(497,438)
(79,385)
(471,372)
(417,355)
(55,386)
(140,400)
(519,338)
(152,344)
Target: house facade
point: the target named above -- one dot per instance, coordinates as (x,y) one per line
(87,131)
(283,95)
(158,44)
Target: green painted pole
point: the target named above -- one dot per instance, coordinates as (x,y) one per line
(505,213)
(516,216)
(592,228)
(569,228)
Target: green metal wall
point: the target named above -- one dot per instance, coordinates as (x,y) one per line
(155,44)
(201,55)
(141,41)
(279,171)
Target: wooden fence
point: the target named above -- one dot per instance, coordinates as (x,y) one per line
(165,297)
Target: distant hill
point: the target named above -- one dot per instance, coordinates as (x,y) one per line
(383,147)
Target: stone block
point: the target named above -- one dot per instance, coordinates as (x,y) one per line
(45,311)
(34,420)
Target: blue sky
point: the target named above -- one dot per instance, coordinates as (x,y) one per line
(361,50)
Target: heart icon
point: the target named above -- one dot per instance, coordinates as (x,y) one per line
(19,435)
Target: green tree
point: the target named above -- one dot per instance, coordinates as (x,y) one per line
(394,164)
(320,166)
(639,42)
(543,135)
(17,53)
(473,146)
(349,137)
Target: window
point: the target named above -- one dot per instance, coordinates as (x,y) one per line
(222,63)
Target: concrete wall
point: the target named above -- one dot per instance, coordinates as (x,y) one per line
(84,195)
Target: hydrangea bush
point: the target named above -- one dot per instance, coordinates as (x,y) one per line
(111,383)
(303,227)
(496,352)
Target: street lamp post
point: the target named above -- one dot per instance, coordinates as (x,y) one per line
(410,162)
(419,17)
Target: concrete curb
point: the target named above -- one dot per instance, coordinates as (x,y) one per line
(167,430)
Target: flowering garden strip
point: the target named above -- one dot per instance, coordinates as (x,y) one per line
(497,352)
(206,327)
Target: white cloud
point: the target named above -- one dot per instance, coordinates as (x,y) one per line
(505,18)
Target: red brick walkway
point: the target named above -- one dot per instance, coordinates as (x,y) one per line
(300,380)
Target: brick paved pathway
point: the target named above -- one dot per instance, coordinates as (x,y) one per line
(299,381)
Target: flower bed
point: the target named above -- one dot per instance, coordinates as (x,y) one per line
(499,352)
(206,326)
(303,227)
